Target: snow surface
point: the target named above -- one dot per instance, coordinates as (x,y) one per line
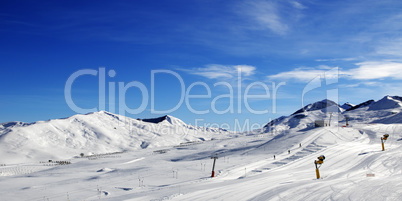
(355,168)
(94,133)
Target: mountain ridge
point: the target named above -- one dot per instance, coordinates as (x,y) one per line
(98,132)
(102,132)
(368,111)
(319,105)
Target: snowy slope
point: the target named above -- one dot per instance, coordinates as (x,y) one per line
(387,111)
(99,132)
(305,117)
(344,172)
(245,170)
(355,168)
(387,102)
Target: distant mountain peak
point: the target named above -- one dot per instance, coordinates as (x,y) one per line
(388,102)
(13,123)
(97,132)
(347,106)
(364,104)
(319,105)
(155,120)
(167,118)
(397,98)
(102,112)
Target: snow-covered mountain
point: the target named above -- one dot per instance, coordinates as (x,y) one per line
(166,119)
(104,132)
(387,110)
(263,166)
(324,105)
(361,105)
(94,133)
(305,117)
(347,106)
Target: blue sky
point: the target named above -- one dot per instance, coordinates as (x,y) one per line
(357,45)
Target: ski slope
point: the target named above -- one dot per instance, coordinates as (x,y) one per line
(245,170)
(344,174)
(178,166)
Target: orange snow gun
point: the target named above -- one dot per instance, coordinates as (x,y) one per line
(320,161)
(384,137)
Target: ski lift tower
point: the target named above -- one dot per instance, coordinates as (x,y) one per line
(347,120)
(213,166)
(330,116)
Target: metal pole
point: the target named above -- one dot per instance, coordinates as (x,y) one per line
(213,167)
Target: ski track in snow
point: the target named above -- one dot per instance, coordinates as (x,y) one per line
(248,174)
(133,161)
(179,167)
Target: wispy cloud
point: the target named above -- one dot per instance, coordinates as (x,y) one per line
(384,35)
(297,5)
(337,59)
(245,69)
(264,15)
(360,84)
(307,74)
(365,71)
(376,70)
(390,47)
(217,71)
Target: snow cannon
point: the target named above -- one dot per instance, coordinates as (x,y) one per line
(318,164)
(321,159)
(383,138)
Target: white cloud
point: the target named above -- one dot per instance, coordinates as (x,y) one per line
(391,47)
(385,36)
(337,59)
(307,74)
(365,71)
(216,71)
(360,84)
(376,70)
(265,15)
(247,70)
(298,5)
